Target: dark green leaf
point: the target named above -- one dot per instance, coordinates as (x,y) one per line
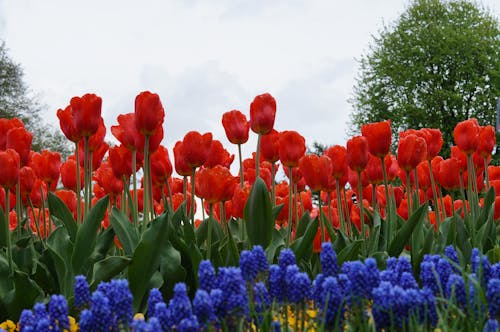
(303,223)
(146,258)
(403,235)
(276,210)
(278,242)
(304,247)
(4,228)
(126,232)
(259,215)
(349,253)
(87,234)
(108,268)
(58,209)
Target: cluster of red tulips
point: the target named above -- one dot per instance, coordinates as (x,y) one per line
(203,164)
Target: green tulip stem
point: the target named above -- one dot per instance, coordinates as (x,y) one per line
(146,182)
(257,157)
(209,235)
(321,219)
(135,202)
(7,231)
(273,185)
(242,179)
(78,186)
(434,194)
(191,210)
(361,211)
(290,205)
(340,209)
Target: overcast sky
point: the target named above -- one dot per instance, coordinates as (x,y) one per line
(202,57)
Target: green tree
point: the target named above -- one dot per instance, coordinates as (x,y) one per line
(16,100)
(435,66)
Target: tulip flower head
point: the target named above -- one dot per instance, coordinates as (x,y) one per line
(262,114)
(466,135)
(357,153)
(236,126)
(379,137)
(149,113)
(292,147)
(86,111)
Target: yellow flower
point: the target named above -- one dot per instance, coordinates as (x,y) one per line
(9,326)
(139,316)
(73,326)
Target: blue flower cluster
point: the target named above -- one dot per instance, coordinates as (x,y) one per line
(45,318)
(255,293)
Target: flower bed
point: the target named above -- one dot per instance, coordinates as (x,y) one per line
(256,296)
(91,217)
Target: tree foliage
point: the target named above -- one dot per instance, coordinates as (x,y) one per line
(16,100)
(437,65)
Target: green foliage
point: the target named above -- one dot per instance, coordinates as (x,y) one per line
(16,100)
(437,65)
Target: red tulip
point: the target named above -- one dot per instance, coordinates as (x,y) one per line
(486,141)
(105,177)
(357,153)
(27,181)
(181,166)
(466,135)
(178,199)
(270,146)
(379,137)
(423,174)
(217,155)
(411,151)
(41,218)
(120,159)
(12,198)
(67,124)
(249,175)
(68,174)
(316,171)
(434,141)
(20,139)
(126,132)
(215,184)
(70,200)
(5,126)
(292,148)
(149,113)
(338,156)
(86,111)
(97,154)
(435,164)
(47,166)
(459,155)
(493,172)
(161,167)
(236,126)
(449,174)
(373,170)
(196,148)
(10,161)
(262,114)
(392,167)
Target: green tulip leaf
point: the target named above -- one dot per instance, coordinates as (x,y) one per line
(146,259)
(86,236)
(107,268)
(58,209)
(259,215)
(125,230)
(404,233)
